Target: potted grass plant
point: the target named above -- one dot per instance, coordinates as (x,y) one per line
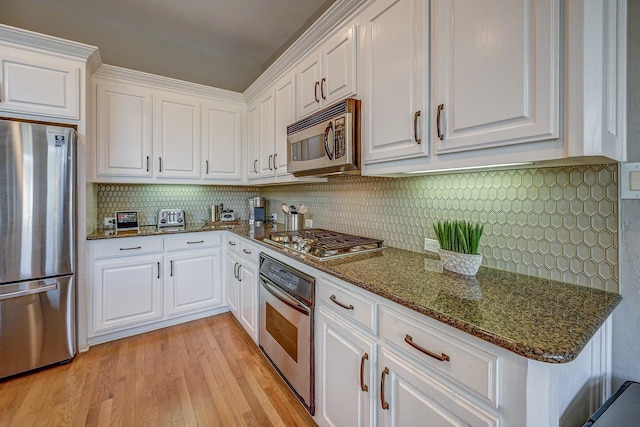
(459,242)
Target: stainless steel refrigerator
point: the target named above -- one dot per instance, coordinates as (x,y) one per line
(37,256)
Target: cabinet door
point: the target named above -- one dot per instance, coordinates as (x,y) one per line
(253,140)
(395,60)
(222,141)
(233,285)
(266,108)
(39,84)
(248,307)
(308,76)
(127,292)
(177,136)
(123,130)
(346,374)
(409,396)
(496,73)
(285,114)
(339,67)
(193,281)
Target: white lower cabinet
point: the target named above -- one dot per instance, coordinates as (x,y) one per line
(127,292)
(242,283)
(193,282)
(346,374)
(144,283)
(380,366)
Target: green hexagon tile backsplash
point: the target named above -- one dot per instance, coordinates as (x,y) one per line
(558,223)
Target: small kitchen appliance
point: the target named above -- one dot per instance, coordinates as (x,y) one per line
(171,218)
(324,245)
(227,215)
(257,209)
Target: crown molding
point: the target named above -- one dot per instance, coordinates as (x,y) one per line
(181,86)
(30,40)
(338,15)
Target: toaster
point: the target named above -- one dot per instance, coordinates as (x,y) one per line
(227,215)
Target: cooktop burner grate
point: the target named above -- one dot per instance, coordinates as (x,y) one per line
(324,244)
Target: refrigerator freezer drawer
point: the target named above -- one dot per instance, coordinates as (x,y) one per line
(37,324)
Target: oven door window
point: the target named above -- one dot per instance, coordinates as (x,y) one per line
(283,331)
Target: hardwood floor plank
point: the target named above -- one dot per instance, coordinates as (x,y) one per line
(204,373)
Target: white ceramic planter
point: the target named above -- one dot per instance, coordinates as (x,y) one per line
(466,264)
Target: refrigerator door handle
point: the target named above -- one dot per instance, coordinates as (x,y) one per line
(31,291)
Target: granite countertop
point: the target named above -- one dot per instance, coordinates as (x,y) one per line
(152,230)
(537,318)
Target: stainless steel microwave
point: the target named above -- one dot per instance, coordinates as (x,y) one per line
(326,142)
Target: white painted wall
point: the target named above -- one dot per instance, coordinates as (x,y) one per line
(626,318)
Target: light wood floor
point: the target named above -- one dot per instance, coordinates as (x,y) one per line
(203,373)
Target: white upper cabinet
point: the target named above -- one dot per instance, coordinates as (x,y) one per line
(496,73)
(266,117)
(328,74)
(123,130)
(395,73)
(39,84)
(253,140)
(177,136)
(222,141)
(285,114)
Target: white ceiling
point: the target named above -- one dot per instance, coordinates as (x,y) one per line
(220,43)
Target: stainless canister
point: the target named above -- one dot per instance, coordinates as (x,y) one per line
(294,222)
(257,209)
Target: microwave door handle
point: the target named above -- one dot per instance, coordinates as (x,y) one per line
(327,148)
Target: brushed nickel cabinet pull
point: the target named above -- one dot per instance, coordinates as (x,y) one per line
(171,265)
(415,127)
(275,161)
(147,163)
(335,301)
(239,277)
(315,92)
(195,242)
(383,403)
(441,357)
(131,249)
(232,243)
(246,251)
(158,269)
(160,164)
(235,270)
(363,386)
(438,117)
(255,166)
(270,158)
(207,163)
(322,88)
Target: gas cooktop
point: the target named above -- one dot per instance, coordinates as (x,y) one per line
(324,244)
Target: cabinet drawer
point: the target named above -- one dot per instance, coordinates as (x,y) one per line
(348,304)
(120,247)
(193,241)
(232,243)
(467,365)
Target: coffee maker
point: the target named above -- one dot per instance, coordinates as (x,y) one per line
(257,210)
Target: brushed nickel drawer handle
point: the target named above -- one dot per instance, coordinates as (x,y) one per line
(335,301)
(383,402)
(158,270)
(441,357)
(235,270)
(131,249)
(195,243)
(415,127)
(239,277)
(171,265)
(248,252)
(363,386)
(232,243)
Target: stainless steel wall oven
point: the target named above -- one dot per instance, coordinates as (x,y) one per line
(286,325)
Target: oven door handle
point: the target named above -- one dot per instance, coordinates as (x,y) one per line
(285,298)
